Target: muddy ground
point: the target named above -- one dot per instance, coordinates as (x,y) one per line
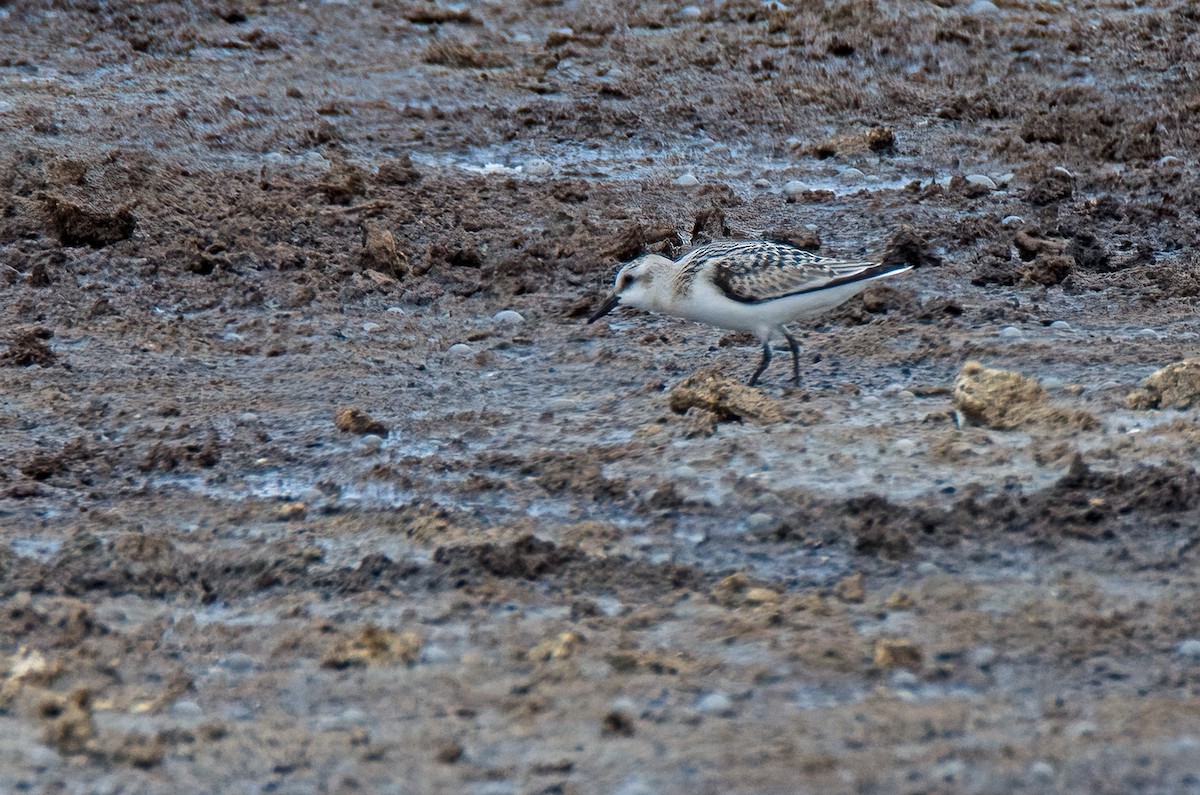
(287,505)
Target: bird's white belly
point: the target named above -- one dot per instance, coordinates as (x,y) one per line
(706,304)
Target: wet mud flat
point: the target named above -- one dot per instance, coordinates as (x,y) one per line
(313,478)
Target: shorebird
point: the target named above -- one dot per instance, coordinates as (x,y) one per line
(757,286)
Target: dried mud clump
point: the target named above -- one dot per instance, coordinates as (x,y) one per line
(28,349)
(380,253)
(1176,386)
(373,647)
(1004,400)
(898,653)
(726,399)
(80,224)
(350,420)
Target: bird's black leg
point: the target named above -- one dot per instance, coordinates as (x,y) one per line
(795,348)
(766,359)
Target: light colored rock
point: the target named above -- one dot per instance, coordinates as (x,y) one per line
(1011,331)
(851,176)
(1012,220)
(1189,648)
(687,180)
(460,349)
(538,167)
(794,187)
(981,180)
(1061,325)
(690,12)
(508,317)
(715,703)
(760,522)
(982,7)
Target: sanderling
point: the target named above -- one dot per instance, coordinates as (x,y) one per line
(757,286)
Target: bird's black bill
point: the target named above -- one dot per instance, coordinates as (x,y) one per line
(612,303)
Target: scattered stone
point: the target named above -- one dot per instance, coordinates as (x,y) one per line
(851,589)
(761,522)
(557,648)
(449,752)
(687,180)
(617,723)
(1011,331)
(460,349)
(508,317)
(1176,386)
(537,167)
(981,181)
(1003,400)
(794,187)
(690,12)
(715,703)
(725,398)
(762,596)
(1012,220)
(851,176)
(1189,648)
(1041,771)
(898,653)
(1061,325)
(351,420)
(982,7)
(372,647)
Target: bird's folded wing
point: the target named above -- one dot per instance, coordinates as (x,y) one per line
(764,273)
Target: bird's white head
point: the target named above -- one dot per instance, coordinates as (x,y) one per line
(641,283)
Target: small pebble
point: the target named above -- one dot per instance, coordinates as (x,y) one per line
(508,317)
(395,310)
(690,12)
(982,656)
(891,390)
(794,187)
(238,662)
(1189,648)
(1147,332)
(1012,220)
(1169,160)
(187,709)
(851,175)
(951,770)
(715,704)
(1011,331)
(687,180)
(370,326)
(905,446)
(903,678)
(1004,179)
(460,349)
(1061,325)
(981,7)
(371,443)
(759,522)
(1042,771)
(538,167)
(762,183)
(925,568)
(982,180)
(871,400)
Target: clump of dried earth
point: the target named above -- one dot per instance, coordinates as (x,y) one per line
(313,478)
